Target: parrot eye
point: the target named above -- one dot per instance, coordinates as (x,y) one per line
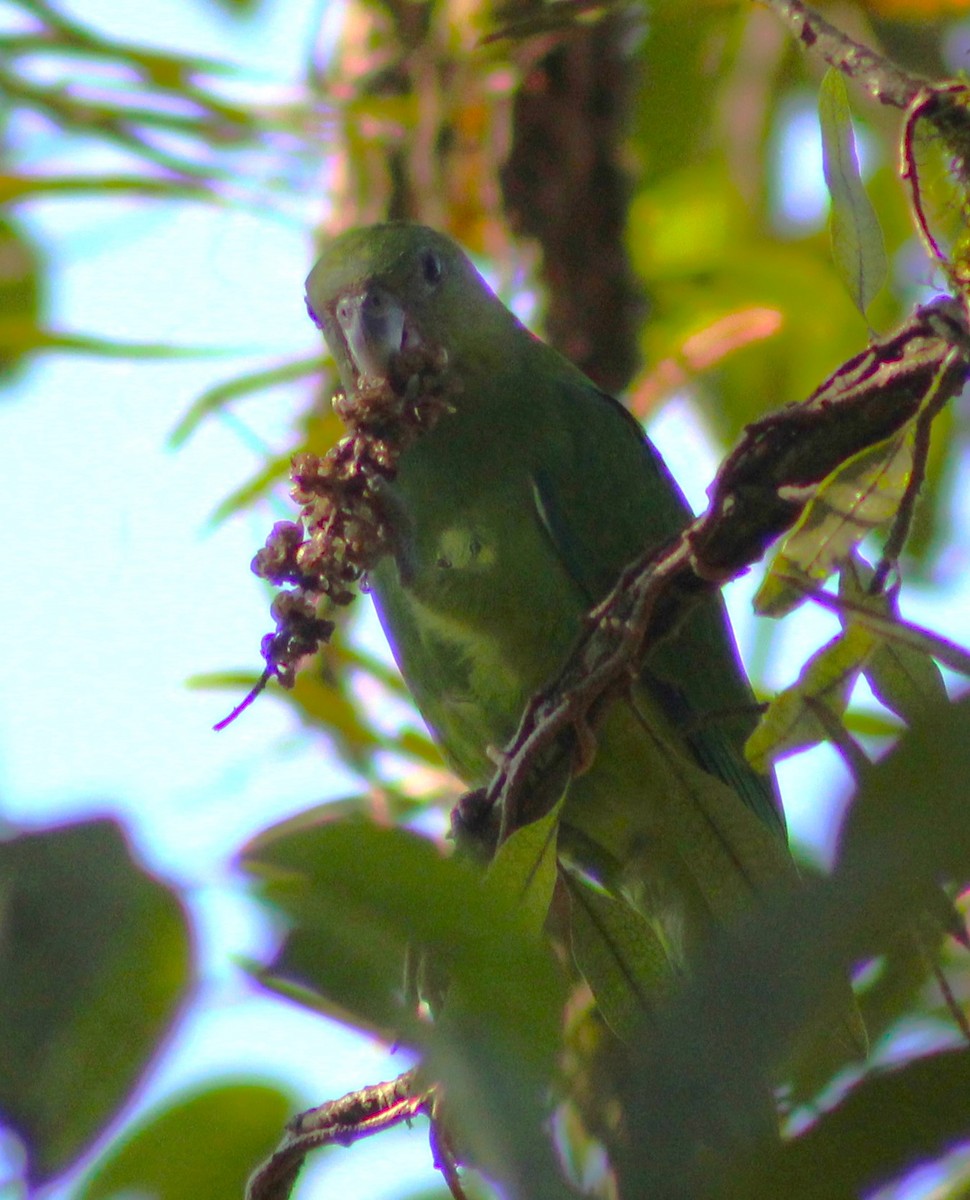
(431,267)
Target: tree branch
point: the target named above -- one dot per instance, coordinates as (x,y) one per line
(942,104)
(759,492)
(342,1122)
(881,78)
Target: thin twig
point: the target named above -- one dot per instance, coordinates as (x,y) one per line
(893,629)
(950,1000)
(907,506)
(853,755)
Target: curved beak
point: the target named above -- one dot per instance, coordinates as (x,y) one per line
(374,329)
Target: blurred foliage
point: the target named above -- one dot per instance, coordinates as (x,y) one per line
(95,960)
(216,1131)
(631,169)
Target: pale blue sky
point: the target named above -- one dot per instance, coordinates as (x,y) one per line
(95,715)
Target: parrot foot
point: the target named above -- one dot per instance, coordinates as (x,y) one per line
(475,824)
(584,751)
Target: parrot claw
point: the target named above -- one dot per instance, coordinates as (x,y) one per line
(475,824)
(496,755)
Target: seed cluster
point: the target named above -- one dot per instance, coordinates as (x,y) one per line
(345,524)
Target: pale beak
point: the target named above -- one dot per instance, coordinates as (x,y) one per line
(374,329)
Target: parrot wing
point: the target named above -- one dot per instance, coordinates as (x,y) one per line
(597,529)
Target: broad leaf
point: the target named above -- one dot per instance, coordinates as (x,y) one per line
(202,1144)
(526,866)
(356,895)
(95,960)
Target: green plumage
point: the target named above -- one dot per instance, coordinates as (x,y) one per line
(515,515)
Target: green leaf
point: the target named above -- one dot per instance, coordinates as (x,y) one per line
(241,8)
(96,960)
(892,986)
(25,187)
(860,496)
(526,866)
(890,1123)
(258,485)
(696,1075)
(215,398)
(904,678)
(618,953)
(874,724)
(321,431)
(857,242)
(18,336)
(20,291)
(356,896)
(323,698)
(791,722)
(910,826)
(884,624)
(202,1144)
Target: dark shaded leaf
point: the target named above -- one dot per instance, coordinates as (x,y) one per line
(95,960)
(358,895)
(892,983)
(888,1124)
(910,828)
(698,1077)
(618,953)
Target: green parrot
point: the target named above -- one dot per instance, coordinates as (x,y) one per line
(513,516)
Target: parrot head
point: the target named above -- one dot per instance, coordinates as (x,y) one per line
(386,288)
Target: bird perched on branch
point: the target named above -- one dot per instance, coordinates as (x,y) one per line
(512,518)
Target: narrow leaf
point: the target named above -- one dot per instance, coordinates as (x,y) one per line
(618,953)
(857,242)
(253,381)
(525,867)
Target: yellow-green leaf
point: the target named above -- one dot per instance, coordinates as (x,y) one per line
(525,867)
(857,242)
(791,722)
(859,497)
(904,678)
